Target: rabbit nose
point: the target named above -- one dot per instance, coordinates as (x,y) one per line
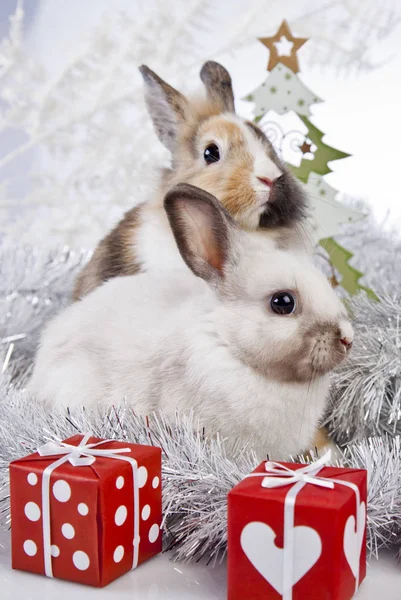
(266,181)
(345,335)
(346,342)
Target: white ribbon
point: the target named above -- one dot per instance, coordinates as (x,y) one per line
(279,475)
(83,455)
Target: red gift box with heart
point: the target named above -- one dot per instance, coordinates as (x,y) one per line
(297,532)
(86,510)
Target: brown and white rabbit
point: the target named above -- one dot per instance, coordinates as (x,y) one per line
(214,149)
(246,345)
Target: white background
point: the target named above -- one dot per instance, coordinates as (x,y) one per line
(360,113)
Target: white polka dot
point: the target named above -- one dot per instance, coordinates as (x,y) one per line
(155,482)
(30,548)
(142,476)
(81,560)
(62,491)
(154,533)
(32,511)
(32,479)
(120,482)
(83,509)
(68,531)
(55,550)
(121,515)
(118,554)
(146,512)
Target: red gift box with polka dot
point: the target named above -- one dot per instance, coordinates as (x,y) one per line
(92,514)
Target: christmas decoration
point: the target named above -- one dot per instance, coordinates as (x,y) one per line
(323,155)
(283,48)
(366,393)
(86,510)
(277,534)
(339,258)
(34,285)
(328,216)
(283,91)
(197,474)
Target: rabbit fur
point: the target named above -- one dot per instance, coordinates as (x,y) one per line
(208,344)
(249,179)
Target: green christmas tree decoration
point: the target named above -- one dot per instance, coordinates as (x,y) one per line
(323,155)
(282,91)
(339,258)
(327,215)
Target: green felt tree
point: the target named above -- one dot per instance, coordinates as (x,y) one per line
(340,258)
(322,155)
(283,91)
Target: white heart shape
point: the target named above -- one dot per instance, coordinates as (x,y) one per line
(353,538)
(257,541)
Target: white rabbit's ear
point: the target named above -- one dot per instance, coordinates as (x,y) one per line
(218,85)
(203,230)
(166,107)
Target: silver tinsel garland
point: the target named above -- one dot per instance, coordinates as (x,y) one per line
(34,286)
(366,392)
(197,474)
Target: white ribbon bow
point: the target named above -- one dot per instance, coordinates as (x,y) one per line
(280,475)
(74,453)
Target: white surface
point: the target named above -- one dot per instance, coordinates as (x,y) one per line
(161,579)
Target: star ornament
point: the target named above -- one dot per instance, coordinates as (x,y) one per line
(305,148)
(283,48)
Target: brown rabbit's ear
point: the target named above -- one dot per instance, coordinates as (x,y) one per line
(166,106)
(202,229)
(218,85)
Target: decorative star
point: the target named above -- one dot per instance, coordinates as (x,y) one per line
(305,148)
(280,42)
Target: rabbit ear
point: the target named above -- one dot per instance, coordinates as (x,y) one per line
(166,106)
(202,229)
(218,85)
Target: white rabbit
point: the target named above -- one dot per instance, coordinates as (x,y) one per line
(246,345)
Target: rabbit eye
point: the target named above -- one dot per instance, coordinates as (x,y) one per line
(211,154)
(283,303)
